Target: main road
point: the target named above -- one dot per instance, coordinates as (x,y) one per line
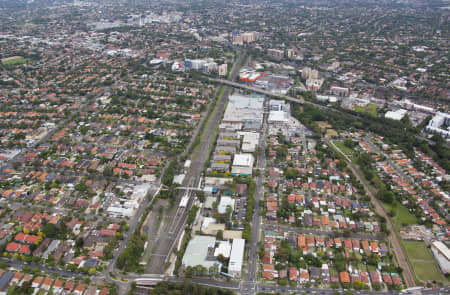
(318,232)
(249,285)
(263,288)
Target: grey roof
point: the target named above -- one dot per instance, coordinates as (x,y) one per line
(197,252)
(5,279)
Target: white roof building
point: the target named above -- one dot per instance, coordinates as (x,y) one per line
(439,124)
(223,249)
(249,141)
(280,117)
(442,248)
(243,160)
(197,252)
(242,164)
(442,255)
(396,115)
(236,257)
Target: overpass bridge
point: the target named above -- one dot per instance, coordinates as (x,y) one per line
(258,90)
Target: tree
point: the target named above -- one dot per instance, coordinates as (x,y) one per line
(50,230)
(201,196)
(219,235)
(386,196)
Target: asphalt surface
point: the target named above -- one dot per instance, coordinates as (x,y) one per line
(242,288)
(305,231)
(393,238)
(42,268)
(249,285)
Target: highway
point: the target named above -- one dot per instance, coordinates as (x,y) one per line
(306,231)
(393,238)
(263,288)
(260,91)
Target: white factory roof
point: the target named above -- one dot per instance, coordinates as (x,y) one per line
(442,248)
(197,252)
(236,256)
(278,116)
(207,221)
(243,160)
(396,115)
(246,102)
(249,141)
(223,249)
(277,104)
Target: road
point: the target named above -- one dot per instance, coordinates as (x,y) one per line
(249,285)
(132,225)
(393,238)
(172,231)
(305,231)
(260,91)
(60,272)
(263,288)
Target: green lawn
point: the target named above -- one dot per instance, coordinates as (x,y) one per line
(371,109)
(423,262)
(402,215)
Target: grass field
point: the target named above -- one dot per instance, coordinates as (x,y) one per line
(14,60)
(423,262)
(402,215)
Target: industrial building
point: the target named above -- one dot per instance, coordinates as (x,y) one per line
(236,258)
(200,251)
(238,136)
(250,141)
(244,112)
(442,255)
(279,112)
(396,115)
(243,164)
